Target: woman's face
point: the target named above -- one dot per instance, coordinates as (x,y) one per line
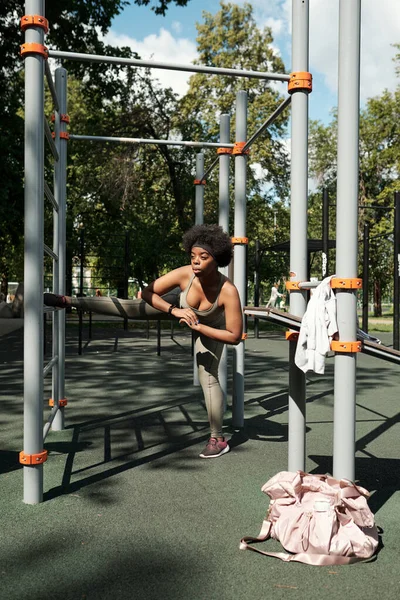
(202,262)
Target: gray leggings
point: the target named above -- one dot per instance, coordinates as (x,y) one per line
(208,356)
(208,351)
(128,309)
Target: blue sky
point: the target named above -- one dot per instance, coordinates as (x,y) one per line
(173,39)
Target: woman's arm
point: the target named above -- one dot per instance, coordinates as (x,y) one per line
(153,293)
(232,334)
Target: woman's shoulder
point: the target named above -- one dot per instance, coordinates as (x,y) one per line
(228,289)
(183,274)
(186,270)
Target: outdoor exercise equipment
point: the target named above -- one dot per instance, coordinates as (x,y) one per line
(285,319)
(35,55)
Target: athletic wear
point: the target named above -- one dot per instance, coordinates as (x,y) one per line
(208,355)
(116,307)
(208,352)
(215,448)
(54,300)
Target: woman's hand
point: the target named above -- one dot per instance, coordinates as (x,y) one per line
(186,316)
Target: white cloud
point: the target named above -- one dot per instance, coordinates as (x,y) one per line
(276,25)
(161,47)
(380,29)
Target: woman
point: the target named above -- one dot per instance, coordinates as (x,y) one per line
(210,306)
(201,298)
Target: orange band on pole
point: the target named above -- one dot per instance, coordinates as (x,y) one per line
(34,49)
(244,336)
(292,285)
(199,182)
(63,118)
(346,346)
(240,240)
(346,284)
(300,80)
(34,21)
(292,336)
(224,150)
(61,403)
(33,459)
(64,135)
(238,149)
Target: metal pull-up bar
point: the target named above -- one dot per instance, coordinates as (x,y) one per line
(126,140)
(135,62)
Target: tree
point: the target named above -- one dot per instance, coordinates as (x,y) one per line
(230,38)
(141,190)
(73,24)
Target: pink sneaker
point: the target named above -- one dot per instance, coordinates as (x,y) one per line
(215,448)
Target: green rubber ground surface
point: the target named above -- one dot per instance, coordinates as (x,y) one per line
(131,512)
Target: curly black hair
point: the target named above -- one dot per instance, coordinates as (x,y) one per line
(213,236)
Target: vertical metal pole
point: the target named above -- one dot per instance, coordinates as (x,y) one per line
(33,265)
(325,233)
(257,286)
(199,190)
(365,278)
(225,136)
(239,266)
(56,245)
(396,313)
(80,312)
(126,273)
(199,219)
(347,234)
(60,190)
(298,231)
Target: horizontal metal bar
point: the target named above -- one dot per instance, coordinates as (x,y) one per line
(268,122)
(50,365)
(51,85)
(50,252)
(49,421)
(125,140)
(49,196)
(294,322)
(118,60)
(52,145)
(276,316)
(380,351)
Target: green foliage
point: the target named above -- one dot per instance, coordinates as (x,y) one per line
(74,24)
(129,187)
(146,192)
(231,39)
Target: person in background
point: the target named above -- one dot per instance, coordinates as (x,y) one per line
(274,296)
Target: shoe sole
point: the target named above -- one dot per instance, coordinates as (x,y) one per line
(224,451)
